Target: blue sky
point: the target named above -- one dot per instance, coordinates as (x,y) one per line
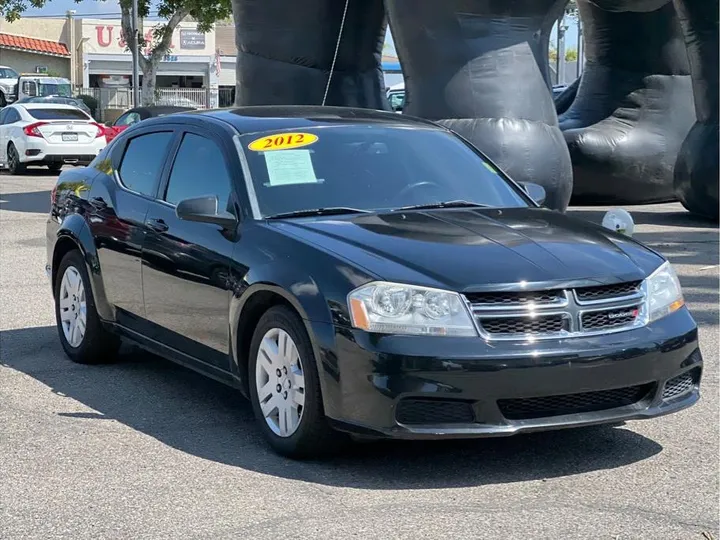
(87,8)
(110,8)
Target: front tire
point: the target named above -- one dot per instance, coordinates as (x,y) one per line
(81,332)
(13,159)
(285,388)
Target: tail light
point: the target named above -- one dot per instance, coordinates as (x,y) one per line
(33,131)
(100,130)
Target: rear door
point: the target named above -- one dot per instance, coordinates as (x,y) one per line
(3,136)
(120,197)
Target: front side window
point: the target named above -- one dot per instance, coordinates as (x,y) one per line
(370,167)
(143,161)
(199,170)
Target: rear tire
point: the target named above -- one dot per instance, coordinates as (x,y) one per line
(81,332)
(13,159)
(3,101)
(305,432)
(55,168)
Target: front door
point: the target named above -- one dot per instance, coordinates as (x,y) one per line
(186,264)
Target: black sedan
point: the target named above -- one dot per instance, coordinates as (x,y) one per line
(355,271)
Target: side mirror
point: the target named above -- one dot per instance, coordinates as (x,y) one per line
(535,191)
(205,210)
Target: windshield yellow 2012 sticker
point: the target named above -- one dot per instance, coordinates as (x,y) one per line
(282,141)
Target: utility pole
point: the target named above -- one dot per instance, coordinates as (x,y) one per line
(561,29)
(135,56)
(581,50)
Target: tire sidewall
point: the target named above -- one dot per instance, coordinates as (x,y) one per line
(17,167)
(284,319)
(74,259)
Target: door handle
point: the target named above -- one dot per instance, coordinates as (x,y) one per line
(98,203)
(157,225)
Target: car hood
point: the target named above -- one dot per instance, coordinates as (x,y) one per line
(479,249)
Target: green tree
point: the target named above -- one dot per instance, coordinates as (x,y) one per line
(571,55)
(155,44)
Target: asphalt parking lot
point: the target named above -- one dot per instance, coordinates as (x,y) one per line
(145,449)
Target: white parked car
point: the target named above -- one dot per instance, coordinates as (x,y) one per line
(48,134)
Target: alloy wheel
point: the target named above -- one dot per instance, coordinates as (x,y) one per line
(280,382)
(13,158)
(73,307)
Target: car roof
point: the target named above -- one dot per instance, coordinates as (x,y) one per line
(34,105)
(253,119)
(160,109)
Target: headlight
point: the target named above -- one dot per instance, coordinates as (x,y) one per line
(393,308)
(662,292)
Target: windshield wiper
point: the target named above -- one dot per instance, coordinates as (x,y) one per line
(445,204)
(329,211)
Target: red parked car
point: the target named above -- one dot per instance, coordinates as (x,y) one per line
(138,114)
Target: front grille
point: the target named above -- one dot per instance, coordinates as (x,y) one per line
(612,318)
(523,325)
(604,292)
(542,407)
(516,298)
(513,315)
(682,384)
(434,411)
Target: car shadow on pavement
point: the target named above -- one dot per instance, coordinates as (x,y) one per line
(37,202)
(206,419)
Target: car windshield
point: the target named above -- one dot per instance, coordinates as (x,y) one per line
(370,167)
(47,89)
(7,73)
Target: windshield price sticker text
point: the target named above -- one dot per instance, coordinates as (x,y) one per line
(282,141)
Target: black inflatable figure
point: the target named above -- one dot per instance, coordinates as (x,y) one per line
(474,67)
(696,170)
(634,104)
(480,67)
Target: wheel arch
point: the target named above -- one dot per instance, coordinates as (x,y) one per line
(252,304)
(75,234)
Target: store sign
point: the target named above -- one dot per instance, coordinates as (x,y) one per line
(192,39)
(109,39)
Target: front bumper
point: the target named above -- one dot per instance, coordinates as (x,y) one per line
(418,387)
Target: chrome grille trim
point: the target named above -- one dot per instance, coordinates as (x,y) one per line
(570,308)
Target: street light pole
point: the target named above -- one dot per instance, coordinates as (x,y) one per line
(135,56)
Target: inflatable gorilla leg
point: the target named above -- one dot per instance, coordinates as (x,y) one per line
(696,171)
(286,49)
(473,65)
(634,104)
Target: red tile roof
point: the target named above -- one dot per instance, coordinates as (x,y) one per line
(42,46)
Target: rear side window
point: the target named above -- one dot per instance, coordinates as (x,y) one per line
(143,162)
(199,170)
(58,114)
(12,117)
